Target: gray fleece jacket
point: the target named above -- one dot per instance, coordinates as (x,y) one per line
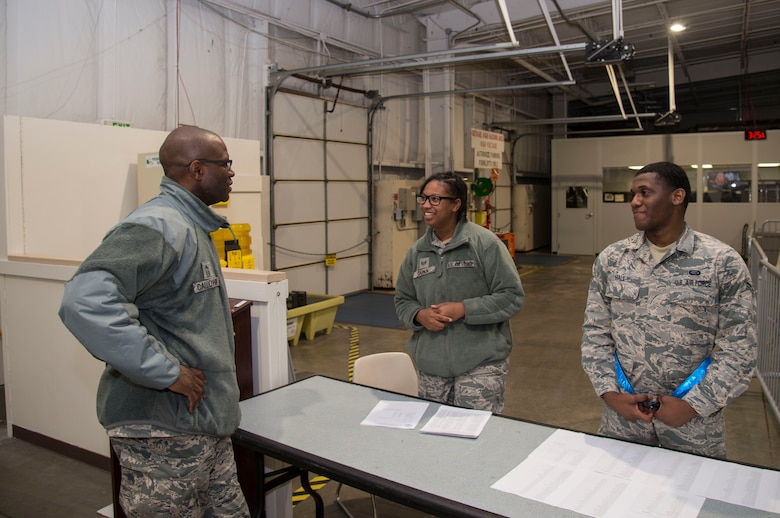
(150,298)
(476,269)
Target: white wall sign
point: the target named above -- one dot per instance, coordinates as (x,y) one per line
(488,148)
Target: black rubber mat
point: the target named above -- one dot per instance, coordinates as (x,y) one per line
(369,309)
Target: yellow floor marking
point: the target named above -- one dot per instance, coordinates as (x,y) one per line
(354,347)
(532,270)
(317,482)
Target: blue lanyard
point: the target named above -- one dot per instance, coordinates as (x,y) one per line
(690,382)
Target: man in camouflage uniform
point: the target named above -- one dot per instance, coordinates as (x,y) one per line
(669,333)
(151,303)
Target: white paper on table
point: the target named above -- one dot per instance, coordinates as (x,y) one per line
(646,501)
(535,478)
(594,494)
(673,470)
(596,477)
(739,484)
(396,414)
(597,454)
(460,422)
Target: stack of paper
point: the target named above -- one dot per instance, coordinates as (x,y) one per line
(396,414)
(458,422)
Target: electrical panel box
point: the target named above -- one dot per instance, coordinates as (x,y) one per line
(407,199)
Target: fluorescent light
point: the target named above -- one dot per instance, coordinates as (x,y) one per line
(706,166)
(677,27)
(635,167)
(769,164)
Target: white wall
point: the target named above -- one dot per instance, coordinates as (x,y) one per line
(88,174)
(109,59)
(612,221)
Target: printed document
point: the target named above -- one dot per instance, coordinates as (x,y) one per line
(460,422)
(396,414)
(604,477)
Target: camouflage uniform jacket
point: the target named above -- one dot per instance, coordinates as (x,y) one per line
(664,319)
(474,268)
(151,297)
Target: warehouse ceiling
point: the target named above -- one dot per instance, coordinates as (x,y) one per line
(614,64)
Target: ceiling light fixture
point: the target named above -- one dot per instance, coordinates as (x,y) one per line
(677,27)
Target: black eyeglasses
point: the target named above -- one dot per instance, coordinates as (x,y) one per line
(433,200)
(224,163)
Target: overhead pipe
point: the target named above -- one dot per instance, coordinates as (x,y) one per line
(617,19)
(298,29)
(507,21)
(571,120)
(670,54)
(743,59)
(411,8)
(548,77)
(672,42)
(475,90)
(630,97)
(615,88)
(551,26)
(423,60)
(457,60)
(671,117)
(405,9)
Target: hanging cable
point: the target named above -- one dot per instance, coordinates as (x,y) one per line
(336,99)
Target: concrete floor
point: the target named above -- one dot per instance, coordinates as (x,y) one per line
(546,385)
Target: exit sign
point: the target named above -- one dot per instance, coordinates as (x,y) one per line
(755,135)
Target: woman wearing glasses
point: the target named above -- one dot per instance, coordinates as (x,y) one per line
(457,289)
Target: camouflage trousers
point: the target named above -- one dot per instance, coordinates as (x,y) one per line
(481,388)
(701,435)
(181,476)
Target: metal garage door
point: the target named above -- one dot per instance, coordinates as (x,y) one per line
(320,191)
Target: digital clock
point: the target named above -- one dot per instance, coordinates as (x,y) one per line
(755,135)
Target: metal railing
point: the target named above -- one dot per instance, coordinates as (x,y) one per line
(764,248)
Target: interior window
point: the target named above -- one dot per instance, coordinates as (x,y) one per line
(726,183)
(769,183)
(576,197)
